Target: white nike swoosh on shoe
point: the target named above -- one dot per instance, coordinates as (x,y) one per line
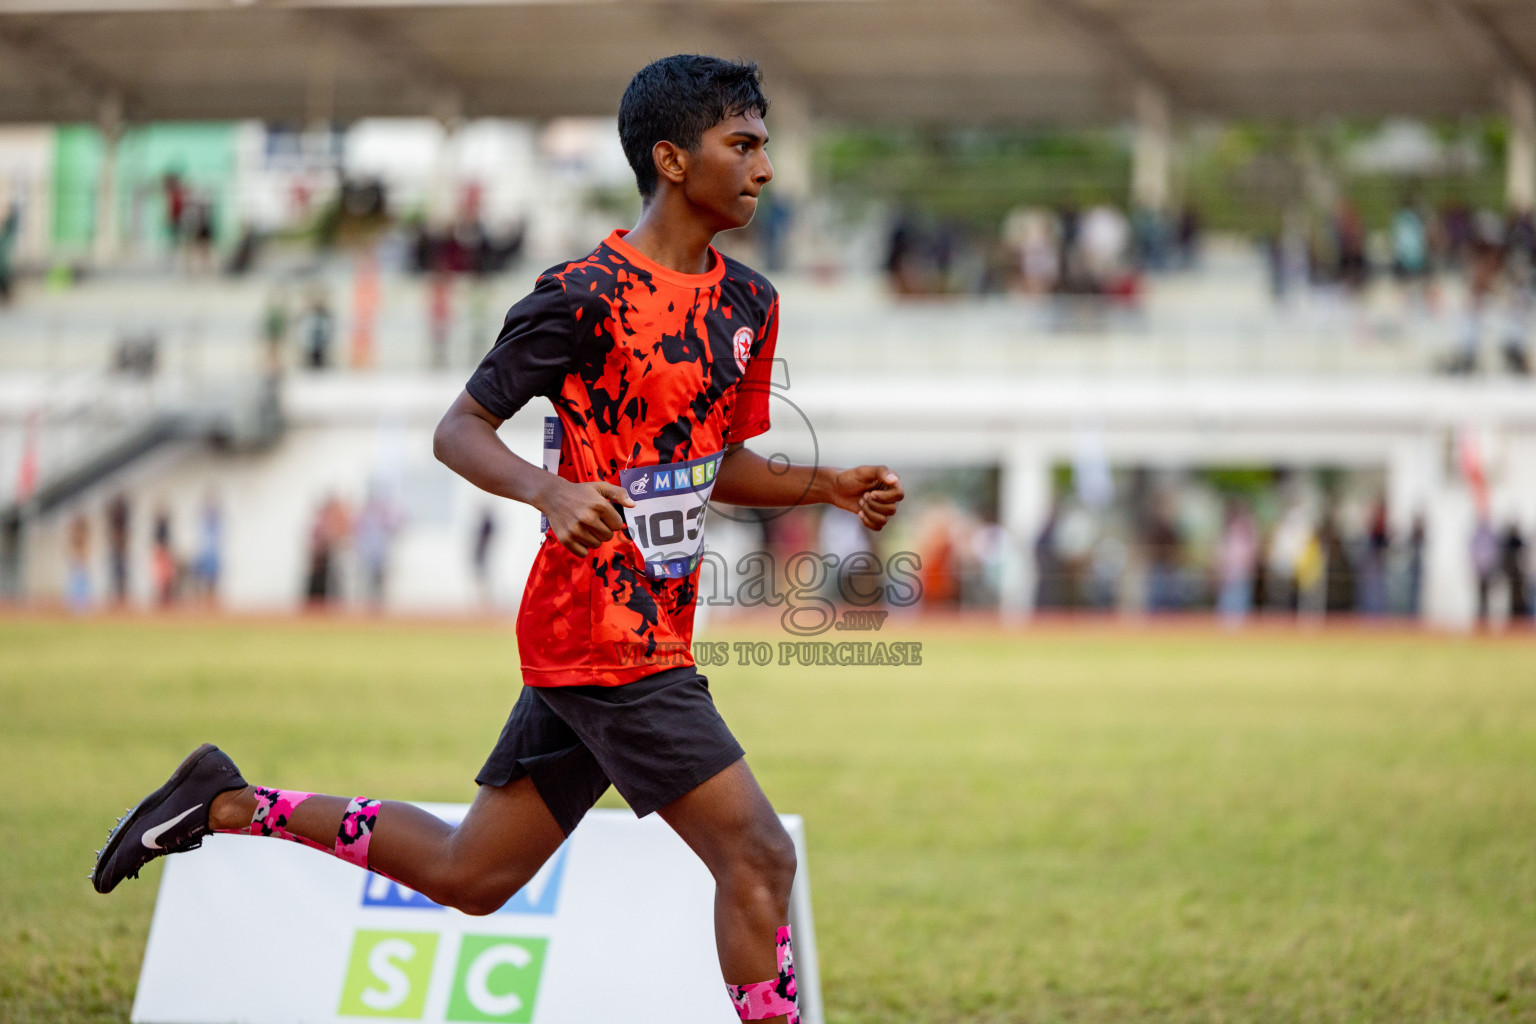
(151,837)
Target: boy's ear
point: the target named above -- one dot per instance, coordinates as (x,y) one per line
(671,161)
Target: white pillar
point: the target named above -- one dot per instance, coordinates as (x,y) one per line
(109,121)
(1449,599)
(1152,155)
(1024,502)
(1520,161)
(443,199)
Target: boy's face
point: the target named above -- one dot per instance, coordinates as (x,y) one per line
(728,171)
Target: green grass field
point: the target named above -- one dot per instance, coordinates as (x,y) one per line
(1062,825)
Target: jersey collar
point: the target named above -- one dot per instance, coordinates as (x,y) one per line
(643,262)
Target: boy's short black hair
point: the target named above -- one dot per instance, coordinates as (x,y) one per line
(677,99)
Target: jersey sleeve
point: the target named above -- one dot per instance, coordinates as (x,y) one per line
(532,355)
(751,414)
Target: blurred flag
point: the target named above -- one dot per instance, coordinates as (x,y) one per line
(1470,454)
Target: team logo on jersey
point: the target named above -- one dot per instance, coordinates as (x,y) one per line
(741,344)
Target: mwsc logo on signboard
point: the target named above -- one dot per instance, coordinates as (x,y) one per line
(495,977)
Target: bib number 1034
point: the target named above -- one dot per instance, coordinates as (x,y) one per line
(667,522)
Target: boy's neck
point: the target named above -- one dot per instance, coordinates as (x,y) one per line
(671,237)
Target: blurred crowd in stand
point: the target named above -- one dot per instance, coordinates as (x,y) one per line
(1304,562)
(179,573)
(1491,256)
(1099,251)
(1161,549)
(350,551)
(1178,547)
(347,555)
(465,250)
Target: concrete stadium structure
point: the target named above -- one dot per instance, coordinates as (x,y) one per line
(968,394)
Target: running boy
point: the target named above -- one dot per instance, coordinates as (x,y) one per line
(656,352)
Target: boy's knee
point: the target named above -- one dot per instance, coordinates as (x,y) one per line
(476,894)
(480,902)
(766,857)
(477,899)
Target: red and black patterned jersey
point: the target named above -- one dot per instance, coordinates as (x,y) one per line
(645,366)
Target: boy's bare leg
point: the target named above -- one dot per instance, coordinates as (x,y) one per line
(729,823)
(507,834)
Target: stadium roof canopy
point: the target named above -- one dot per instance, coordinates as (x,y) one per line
(939,60)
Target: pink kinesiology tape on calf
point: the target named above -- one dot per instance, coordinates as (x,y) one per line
(762,1000)
(274,808)
(356,831)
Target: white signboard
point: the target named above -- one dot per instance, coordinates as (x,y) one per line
(618,925)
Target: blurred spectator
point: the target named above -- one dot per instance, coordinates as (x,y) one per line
(774,225)
(1415,573)
(900,257)
(199,234)
(77,588)
(9,228)
(1512,564)
(1105,235)
(1149,239)
(1485,563)
(1487,261)
(936,549)
(208,561)
(1068,237)
(274,327)
(1311,575)
(1456,232)
(119,513)
(943,250)
(1031,235)
(372,535)
(319,329)
(1287,550)
(480,556)
(1350,247)
(163,564)
(1235,563)
(1288,259)
(175,192)
(242,259)
(1371,581)
(332,526)
(1410,245)
(1049,572)
(1165,584)
(1520,279)
(1339,583)
(1189,237)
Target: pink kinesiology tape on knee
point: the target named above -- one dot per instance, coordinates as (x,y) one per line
(762,1000)
(356,831)
(274,808)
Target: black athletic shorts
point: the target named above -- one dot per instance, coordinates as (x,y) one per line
(655,739)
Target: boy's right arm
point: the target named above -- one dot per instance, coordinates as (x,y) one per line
(581,515)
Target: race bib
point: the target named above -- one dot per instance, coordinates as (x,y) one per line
(553,435)
(667,522)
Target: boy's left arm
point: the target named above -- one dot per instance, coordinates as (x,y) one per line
(746,478)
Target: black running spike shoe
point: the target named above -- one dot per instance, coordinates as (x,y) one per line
(172,819)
